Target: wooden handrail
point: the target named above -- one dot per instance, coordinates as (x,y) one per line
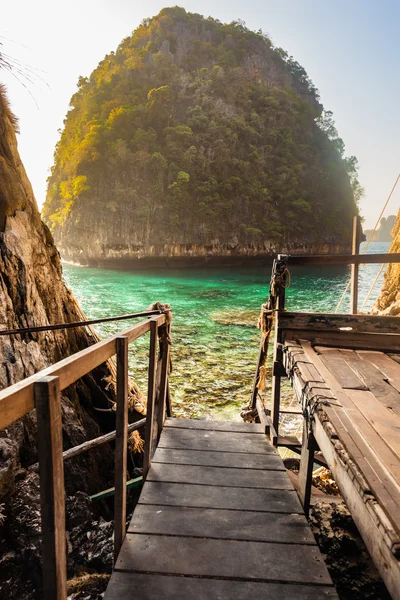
(43,391)
(342,259)
(18,399)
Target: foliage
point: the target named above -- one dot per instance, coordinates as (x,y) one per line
(194,130)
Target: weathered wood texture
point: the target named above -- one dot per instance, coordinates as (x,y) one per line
(151,424)
(342,259)
(357,428)
(151,586)
(218,505)
(222,524)
(121,445)
(52,495)
(334,323)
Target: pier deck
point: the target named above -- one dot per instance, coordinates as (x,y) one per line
(351,396)
(218,518)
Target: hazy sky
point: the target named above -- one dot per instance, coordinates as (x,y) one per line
(350,49)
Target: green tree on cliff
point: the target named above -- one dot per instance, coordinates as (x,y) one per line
(194,130)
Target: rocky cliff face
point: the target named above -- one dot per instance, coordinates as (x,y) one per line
(197,139)
(388,302)
(32,293)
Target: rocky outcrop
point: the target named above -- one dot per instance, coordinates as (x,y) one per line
(197,141)
(388,302)
(32,293)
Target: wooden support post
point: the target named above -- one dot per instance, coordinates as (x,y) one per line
(357,231)
(52,494)
(278,359)
(162,392)
(308,448)
(151,394)
(121,444)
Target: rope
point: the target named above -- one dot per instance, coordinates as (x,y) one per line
(145,313)
(369,241)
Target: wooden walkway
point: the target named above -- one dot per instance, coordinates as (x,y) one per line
(352,398)
(218,518)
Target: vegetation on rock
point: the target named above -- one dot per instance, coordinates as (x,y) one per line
(198,132)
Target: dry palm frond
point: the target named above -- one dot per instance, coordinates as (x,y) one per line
(135,442)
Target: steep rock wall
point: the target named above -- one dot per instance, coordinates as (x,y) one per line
(388,302)
(32,293)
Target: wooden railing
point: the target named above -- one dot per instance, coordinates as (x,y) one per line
(339,329)
(42,391)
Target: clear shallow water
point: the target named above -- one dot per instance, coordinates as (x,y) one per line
(215,340)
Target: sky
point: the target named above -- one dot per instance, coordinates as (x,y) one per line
(349,48)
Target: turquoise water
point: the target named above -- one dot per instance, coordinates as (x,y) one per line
(215,340)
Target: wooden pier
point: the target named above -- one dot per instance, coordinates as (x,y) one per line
(345,372)
(218,518)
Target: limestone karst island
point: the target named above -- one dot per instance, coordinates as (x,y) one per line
(200,301)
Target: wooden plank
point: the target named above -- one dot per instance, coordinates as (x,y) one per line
(334,323)
(343,259)
(248,478)
(167,587)
(18,399)
(211,425)
(223,558)
(221,524)
(217,441)
(219,459)
(358,438)
(181,494)
(374,379)
(339,368)
(386,425)
(150,432)
(389,342)
(121,445)
(52,494)
(389,367)
(371,529)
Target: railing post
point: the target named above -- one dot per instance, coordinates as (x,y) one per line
(162,393)
(121,444)
(278,355)
(151,393)
(52,494)
(355,249)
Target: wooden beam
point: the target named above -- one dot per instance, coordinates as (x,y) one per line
(343,259)
(151,394)
(308,448)
(335,323)
(346,339)
(52,494)
(361,509)
(356,241)
(18,399)
(121,445)
(86,446)
(278,358)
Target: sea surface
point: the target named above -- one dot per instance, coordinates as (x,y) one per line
(215,341)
